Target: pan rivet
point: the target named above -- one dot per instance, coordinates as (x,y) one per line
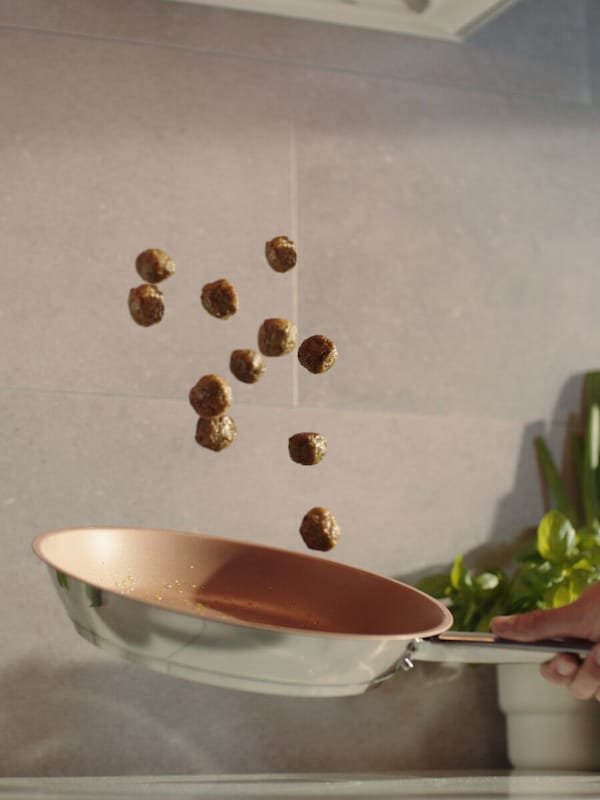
(405,664)
(405,661)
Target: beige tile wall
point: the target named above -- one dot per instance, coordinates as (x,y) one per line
(444,201)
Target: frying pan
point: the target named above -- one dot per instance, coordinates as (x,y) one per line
(245,616)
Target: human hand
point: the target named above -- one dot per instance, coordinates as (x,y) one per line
(580,619)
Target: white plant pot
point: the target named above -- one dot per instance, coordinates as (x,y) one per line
(547,728)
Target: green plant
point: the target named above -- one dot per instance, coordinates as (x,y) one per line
(552,566)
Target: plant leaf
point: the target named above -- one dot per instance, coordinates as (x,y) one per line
(590,465)
(588,537)
(578,447)
(460,580)
(591,388)
(556,537)
(564,594)
(437,585)
(486,582)
(553,480)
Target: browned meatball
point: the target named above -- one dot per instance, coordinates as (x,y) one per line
(154,265)
(319,529)
(220,299)
(317,353)
(276,337)
(215,433)
(211,396)
(281,253)
(307,448)
(146,305)
(246,365)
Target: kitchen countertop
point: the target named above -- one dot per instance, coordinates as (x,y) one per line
(470,786)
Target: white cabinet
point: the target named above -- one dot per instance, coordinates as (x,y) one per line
(439,19)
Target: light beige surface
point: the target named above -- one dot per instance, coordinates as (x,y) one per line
(428,786)
(445,207)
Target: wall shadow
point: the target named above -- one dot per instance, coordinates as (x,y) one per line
(114,718)
(505,533)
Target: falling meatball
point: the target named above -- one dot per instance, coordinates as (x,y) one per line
(220,299)
(317,354)
(215,433)
(211,396)
(146,305)
(319,529)
(281,253)
(276,337)
(307,448)
(154,265)
(246,365)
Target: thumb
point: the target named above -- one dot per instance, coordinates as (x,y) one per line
(547,624)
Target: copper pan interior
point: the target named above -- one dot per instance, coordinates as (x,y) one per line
(237,581)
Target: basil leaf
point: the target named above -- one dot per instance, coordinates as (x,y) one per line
(564,594)
(486,582)
(556,537)
(458,573)
(588,537)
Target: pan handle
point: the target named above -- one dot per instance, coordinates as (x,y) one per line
(485,648)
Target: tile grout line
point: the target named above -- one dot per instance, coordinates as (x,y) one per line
(385,412)
(383,76)
(295,282)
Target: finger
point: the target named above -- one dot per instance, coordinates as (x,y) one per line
(535,625)
(561,669)
(586,681)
